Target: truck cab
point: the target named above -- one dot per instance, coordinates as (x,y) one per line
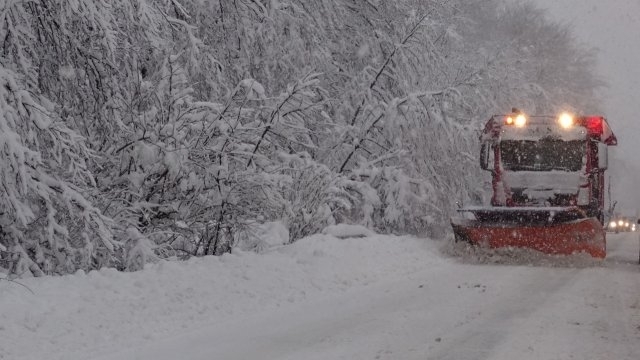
(547,161)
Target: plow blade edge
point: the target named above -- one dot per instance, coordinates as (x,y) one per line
(554,238)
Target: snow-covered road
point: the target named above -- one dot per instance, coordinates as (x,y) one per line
(456,311)
(379,297)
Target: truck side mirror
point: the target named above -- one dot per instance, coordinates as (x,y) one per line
(603,156)
(486,156)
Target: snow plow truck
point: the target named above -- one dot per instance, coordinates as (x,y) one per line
(548,185)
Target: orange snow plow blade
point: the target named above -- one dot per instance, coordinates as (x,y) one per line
(554,231)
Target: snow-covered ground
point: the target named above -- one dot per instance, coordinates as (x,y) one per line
(326,297)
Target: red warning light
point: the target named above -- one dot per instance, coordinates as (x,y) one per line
(594,125)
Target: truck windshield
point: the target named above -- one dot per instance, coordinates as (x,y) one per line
(542,155)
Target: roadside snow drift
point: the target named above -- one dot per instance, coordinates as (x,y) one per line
(70,317)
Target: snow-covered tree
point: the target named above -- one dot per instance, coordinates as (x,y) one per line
(137,130)
(47,223)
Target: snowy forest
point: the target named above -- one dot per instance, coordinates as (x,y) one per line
(139,130)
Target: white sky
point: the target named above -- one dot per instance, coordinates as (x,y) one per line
(613,27)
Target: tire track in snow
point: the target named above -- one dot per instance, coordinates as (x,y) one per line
(480,339)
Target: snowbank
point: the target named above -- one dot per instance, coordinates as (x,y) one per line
(343,231)
(83,315)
